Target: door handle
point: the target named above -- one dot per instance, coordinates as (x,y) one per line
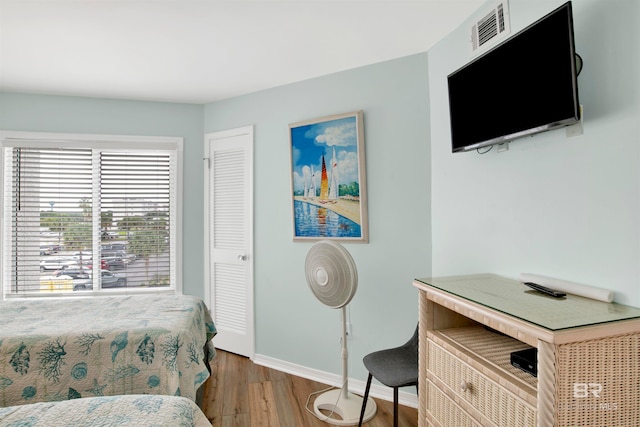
(242,257)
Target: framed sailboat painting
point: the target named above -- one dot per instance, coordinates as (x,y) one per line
(328,180)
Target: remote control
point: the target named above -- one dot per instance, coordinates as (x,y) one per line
(545,290)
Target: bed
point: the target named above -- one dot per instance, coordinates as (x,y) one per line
(133,410)
(58,349)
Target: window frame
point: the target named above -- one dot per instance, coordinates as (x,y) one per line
(100,142)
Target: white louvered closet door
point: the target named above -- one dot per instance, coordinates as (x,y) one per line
(229,161)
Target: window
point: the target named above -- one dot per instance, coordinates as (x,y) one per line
(89,214)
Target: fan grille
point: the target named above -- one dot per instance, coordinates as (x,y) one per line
(331,273)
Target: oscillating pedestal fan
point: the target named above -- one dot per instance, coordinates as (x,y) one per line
(333,278)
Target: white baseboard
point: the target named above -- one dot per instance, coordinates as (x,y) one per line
(355,386)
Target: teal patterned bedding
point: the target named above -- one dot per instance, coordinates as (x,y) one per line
(58,349)
(131,410)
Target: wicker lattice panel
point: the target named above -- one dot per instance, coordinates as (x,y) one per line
(446,411)
(487,396)
(598,382)
(492,347)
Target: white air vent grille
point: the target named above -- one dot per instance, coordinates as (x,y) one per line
(490,27)
(501,26)
(487,29)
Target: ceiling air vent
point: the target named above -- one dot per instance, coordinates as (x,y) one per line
(489,27)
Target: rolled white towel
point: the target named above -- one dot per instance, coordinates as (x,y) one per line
(569,287)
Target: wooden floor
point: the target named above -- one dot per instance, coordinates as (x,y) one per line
(240,393)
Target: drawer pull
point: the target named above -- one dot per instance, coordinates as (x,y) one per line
(464,386)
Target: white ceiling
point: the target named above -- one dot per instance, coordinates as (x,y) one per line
(201,51)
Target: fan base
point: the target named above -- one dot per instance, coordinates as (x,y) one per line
(346,407)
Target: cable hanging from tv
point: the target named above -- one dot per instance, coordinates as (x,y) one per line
(579,64)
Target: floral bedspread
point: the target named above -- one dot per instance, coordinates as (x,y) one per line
(131,410)
(55,349)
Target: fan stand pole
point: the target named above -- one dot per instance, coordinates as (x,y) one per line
(340,401)
(345,350)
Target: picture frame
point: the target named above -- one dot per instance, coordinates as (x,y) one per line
(328,178)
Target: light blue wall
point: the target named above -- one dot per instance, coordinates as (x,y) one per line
(551,205)
(291,325)
(38,113)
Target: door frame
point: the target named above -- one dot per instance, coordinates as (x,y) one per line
(208,267)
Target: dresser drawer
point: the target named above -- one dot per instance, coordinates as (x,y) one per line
(484,394)
(444,411)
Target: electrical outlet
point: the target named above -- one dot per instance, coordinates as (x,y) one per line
(347,327)
(348,331)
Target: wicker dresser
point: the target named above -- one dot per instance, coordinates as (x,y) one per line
(588,357)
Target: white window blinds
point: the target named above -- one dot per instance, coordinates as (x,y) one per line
(50,189)
(136,191)
(88,219)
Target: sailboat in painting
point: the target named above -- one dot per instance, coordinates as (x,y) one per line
(333,184)
(328,187)
(324,184)
(329,191)
(325,196)
(307,176)
(312,186)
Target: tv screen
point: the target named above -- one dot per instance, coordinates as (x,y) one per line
(525,85)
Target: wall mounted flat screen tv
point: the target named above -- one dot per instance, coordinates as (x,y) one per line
(525,85)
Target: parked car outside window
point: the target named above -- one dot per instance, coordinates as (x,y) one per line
(57,264)
(109,280)
(80,277)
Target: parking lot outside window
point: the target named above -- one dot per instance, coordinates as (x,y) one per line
(89,214)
